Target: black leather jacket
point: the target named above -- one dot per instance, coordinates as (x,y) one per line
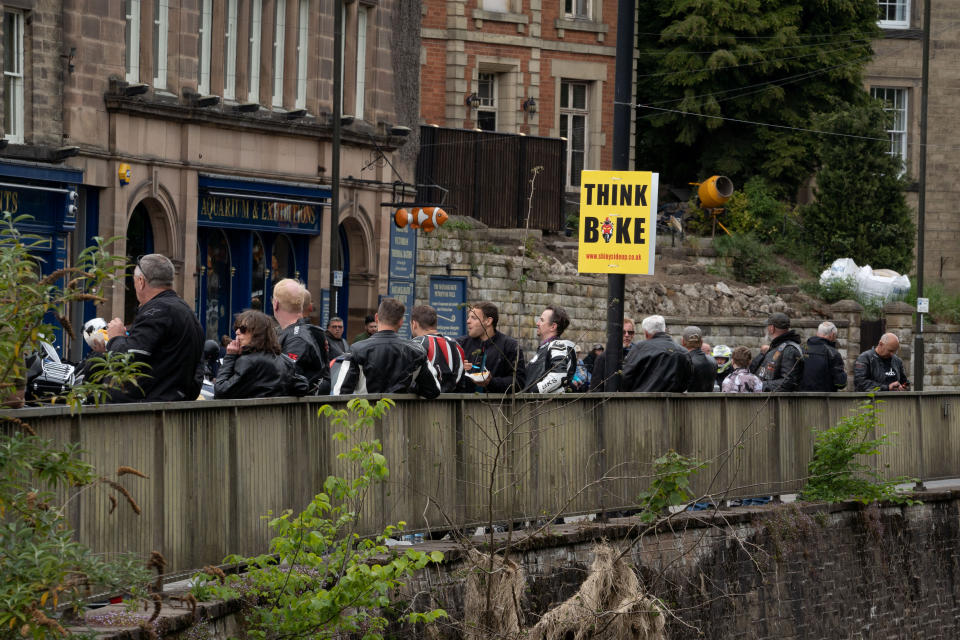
(822,366)
(552,367)
(298,342)
(656,364)
(336,346)
(255,375)
(496,355)
(781,367)
(704,371)
(167,336)
(385,363)
(871,372)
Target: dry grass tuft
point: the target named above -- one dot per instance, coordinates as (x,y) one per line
(492,598)
(124,470)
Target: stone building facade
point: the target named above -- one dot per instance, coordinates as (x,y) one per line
(524,66)
(895,75)
(202,130)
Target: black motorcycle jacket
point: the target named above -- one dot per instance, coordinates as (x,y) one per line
(704,372)
(255,375)
(781,367)
(298,342)
(822,366)
(873,373)
(498,355)
(656,364)
(552,367)
(385,363)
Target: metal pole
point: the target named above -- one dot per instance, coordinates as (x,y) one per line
(922,198)
(622,112)
(335,161)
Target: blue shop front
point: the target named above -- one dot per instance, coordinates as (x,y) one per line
(46,197)
(250,235)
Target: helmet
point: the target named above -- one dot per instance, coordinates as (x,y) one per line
(211,349)
(95,330)
(722,351)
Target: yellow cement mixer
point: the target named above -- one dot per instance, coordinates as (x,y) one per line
(713,193)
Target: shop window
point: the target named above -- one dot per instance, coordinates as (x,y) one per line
(132,53)
(573,127)
(204,40)
(198,273)
(302,23)
(278,44)
(161,29)
(13,75)
(487,107)
(253,51)
(894,14)
(895,102)
(230,52)
(219,286)
(258,284)
(283,262)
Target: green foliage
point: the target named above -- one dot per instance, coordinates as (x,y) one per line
(836,473)
(731,64)
(756,210)
(41,564)
(28,301)
(321,579)
(844,289)
(457,225)
(944,306)
(752,261)
(860,212)
(670,486)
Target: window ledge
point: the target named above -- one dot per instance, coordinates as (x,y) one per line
(898,33)
(581,25)
(496,16)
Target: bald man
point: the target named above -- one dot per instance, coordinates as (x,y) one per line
(879,368)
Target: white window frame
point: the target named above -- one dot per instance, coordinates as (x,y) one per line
(279,27)
(496,6)
(230,52)
(206,47)
(568,113)
(361,60)
(161,31)
(13,78)
(256,24)
(489,104)
(132,53)
(901,11)
(578,9)
(302,38)
(896,101)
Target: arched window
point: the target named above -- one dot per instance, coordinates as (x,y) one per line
(219,285)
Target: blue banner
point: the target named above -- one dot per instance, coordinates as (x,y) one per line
(449,297)
(403,290)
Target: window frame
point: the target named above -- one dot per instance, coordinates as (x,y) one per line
(566,115)
(161,33)
(303,22)
(884,23)
(574,14)
(230,51)
(253,52)
(898,135)
(206,47)
(279,28)
(131,14)
(361,84)
(488,105)
(13,80)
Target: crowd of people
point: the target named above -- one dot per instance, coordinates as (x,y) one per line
(286,355)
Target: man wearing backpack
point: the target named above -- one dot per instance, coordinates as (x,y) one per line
(780,367)
(445,353)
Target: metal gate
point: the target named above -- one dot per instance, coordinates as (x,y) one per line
(870,332)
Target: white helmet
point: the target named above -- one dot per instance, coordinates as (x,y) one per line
(722,351)
(95,330)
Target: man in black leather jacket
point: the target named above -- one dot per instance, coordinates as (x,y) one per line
(823,368)
(780,367)
(657,363)
(704,367)
(880,369)
(385,362)
(553,366)
(165,334)
(297,341)
(486,349)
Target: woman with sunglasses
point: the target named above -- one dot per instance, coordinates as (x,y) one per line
(253,366)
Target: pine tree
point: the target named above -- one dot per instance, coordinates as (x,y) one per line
(860,210)
(768,61)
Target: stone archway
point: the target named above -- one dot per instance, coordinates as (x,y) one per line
(148,230)
(360,266)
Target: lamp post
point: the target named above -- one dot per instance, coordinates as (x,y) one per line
(335,151)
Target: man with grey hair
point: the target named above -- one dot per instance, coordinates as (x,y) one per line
(823,368)
(165,335)
(658,363)
(704,367)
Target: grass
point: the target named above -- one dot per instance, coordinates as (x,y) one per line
(944,306)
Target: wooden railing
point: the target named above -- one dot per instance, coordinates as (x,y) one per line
(215,467)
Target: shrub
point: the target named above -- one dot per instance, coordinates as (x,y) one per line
(752,261)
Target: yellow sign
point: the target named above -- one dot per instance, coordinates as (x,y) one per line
(618,223)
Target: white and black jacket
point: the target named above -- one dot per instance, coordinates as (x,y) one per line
(552,367)
(385,363)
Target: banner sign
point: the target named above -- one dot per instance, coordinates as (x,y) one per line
(618,224)
(448,295)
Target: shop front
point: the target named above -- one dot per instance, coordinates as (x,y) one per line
(43,199)
(250,235)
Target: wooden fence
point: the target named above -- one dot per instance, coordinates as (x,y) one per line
(215,467)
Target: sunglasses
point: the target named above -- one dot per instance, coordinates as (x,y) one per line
(629,333)
(240,328)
